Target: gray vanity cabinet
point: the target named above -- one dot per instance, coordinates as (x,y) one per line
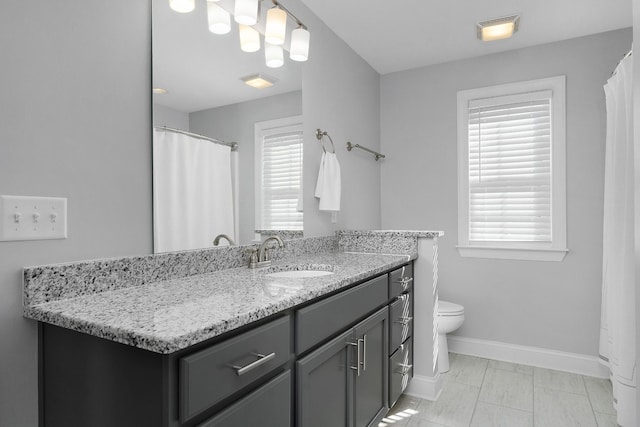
(344,382)
(338,361)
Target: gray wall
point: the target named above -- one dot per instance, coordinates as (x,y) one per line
(76,117)
(636,130)
(235,123)
(165,116)
(340,95)
(541,304)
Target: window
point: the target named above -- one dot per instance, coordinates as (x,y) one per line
(278,157)
(511,171)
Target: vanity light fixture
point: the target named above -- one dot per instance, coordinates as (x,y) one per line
(299,50)
(219,19)
(273,55)
(498,28)
(182,6)
(160,91)
(276,27)
(259,81)
(246,12)
(249,38)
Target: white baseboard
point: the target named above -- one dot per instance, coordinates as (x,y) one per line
(533,356)
(425,387)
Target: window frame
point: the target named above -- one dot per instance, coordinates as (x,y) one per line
(261,129)
(535,251)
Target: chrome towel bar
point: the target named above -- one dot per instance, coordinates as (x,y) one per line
(378,156)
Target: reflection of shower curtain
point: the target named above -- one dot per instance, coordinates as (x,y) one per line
(192,200)
(618,324)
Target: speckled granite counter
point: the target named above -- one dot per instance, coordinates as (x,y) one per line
(168,302)
(170,315)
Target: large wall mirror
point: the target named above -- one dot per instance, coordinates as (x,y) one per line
(202,188)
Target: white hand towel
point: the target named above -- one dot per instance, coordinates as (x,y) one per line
(320,182)
(329,185)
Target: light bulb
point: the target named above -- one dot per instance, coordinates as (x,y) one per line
(276,27)
(182,6)
(273,55)
(246,12)
(219,19)
(497,32)
(299,44)
(249,39)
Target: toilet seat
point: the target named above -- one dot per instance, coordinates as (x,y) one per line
(446,308)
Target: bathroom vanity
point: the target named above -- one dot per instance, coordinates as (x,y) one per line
(232,347)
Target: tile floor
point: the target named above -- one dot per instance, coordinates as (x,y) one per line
(487,393)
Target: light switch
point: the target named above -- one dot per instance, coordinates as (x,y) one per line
(33,218)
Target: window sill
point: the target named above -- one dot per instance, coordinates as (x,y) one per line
(529,254)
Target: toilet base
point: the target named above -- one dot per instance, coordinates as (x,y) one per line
(443,354)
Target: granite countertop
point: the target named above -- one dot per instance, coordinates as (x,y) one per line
(170,315)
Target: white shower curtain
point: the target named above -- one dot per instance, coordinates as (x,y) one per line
(618,324)
(193,200)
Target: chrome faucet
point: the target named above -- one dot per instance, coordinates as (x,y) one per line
(216,241)
(260,257)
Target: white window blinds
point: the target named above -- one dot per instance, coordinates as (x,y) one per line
(510,178)
(281,180)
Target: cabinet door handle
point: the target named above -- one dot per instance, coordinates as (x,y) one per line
(364,352)
(262,359)
(404,320)
(356,368)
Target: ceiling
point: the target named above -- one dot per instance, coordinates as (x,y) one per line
(202,70)
(403,34)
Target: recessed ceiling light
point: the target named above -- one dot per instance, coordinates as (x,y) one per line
(259,81)
(160,91)
(497,29)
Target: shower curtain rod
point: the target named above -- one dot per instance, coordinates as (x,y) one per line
(623,58)
(233,145)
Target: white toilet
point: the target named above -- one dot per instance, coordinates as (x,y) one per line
(450,318)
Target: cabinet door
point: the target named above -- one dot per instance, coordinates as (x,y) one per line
(371,380)
(324,384)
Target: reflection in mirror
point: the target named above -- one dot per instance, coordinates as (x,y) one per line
(203,189)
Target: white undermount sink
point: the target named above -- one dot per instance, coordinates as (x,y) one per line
(298,274)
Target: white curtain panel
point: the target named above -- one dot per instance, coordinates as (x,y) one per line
(193,195)
(618,324)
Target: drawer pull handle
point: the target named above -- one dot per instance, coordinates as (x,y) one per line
(404,281)
(262,359)
(404,320)
(405,368)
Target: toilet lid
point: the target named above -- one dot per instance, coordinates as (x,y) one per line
(446,308)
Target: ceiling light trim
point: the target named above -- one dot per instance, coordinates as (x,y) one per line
(259,80)
(483,26)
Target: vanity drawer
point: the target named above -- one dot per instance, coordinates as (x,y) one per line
(400,280)
(401,321)
(268,405)
(209,375)
(331,315)
(400,371)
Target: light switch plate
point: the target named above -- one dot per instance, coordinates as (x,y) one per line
(33,218)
